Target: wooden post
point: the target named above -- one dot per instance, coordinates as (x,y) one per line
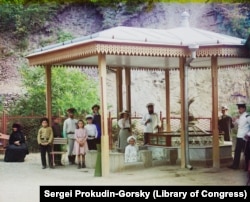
(182,102)
(167,86)
(104,117)
(119,90)
(48,94)
(215,131)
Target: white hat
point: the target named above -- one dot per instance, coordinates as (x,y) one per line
(224,107)
(150,104)
(241,104)
(89,116)
(131,137)
(124,112)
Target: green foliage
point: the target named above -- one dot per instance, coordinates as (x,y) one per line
(46,41)
(73,89)
(70,88)
(205,1)
(64,36)
(23,44)
(2,99)
(131,4)
(234,21)
(22,20)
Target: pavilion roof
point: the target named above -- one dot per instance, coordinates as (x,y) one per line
(146,48)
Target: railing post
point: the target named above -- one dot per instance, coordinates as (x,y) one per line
(4,123)
(110,131)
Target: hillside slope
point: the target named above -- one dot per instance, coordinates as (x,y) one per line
(81,20)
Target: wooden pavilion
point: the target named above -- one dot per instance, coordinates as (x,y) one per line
(128,48)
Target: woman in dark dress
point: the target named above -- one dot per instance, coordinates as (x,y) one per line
(17,148)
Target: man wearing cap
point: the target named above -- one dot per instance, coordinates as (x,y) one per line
(69,127)
(150,121)
(225,123)
(243,123)
(92,132)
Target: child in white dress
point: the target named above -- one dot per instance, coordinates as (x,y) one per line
(80,145)
(131,150)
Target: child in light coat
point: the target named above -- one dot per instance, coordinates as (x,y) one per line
(131,150)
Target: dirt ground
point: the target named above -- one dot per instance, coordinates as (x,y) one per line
(21,181)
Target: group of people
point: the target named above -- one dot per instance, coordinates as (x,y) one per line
(81,137)
(152,124)
(242,122)
(126,141)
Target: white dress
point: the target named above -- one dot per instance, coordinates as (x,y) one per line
(131,153)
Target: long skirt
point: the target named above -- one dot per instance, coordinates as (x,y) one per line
(16,153)
(122,139)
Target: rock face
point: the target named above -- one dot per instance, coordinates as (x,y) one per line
(146,86)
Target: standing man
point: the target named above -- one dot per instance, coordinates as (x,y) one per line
(57,132)
(97,122)
(69,127)
(225,123)
(151,122)
(243,123)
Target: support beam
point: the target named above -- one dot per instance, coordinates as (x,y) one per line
(183,111)
(48,94)
(128,88)
(167,87)
(104,115)
(215,131)
(119,90)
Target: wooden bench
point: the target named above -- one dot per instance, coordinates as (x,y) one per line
(59,141)
(4,139)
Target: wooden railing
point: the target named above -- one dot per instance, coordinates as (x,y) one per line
(171,139)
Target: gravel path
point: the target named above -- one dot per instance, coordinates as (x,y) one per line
(21,181)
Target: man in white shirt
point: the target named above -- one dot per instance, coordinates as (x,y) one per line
(69,127)
(243,123)
(151,122)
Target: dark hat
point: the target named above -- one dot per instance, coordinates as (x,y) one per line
(150,104)
(96,105)
(16,125)
(71,110)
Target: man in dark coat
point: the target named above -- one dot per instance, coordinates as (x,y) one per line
(225,123)
(57,132)
(97,122)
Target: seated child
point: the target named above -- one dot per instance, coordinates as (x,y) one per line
(131,150)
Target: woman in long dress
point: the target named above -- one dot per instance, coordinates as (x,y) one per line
(125,131)
(17,148)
